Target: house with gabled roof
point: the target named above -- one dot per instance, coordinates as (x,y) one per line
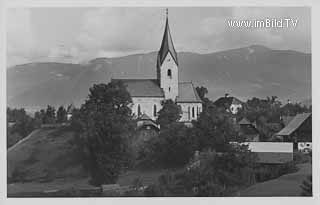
(298,130)
(147,94)
(248,130)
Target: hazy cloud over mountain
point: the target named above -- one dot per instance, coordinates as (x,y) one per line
(80,34)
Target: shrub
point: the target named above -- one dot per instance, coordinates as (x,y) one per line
(272,171)
(307,186)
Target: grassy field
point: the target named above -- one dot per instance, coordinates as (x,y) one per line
(46,160)
(286,185)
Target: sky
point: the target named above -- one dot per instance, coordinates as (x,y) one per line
(76,35)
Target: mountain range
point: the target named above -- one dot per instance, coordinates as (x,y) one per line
(254,71)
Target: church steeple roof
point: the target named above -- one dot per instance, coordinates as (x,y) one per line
(166,45)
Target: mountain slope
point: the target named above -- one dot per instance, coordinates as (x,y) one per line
(244,72)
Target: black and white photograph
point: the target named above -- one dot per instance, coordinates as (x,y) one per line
(161,101)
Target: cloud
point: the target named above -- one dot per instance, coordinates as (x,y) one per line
(20,38)
(110,32)
(120,30)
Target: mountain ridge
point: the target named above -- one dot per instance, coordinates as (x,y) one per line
(253,71)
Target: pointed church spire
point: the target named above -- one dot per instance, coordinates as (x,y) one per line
(166,45)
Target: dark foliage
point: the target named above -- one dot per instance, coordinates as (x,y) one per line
(19,125)
(217,175)
(105,122)
(173,148)
(307,186)
(170,113)
(272,171)
(61,115)
(214,128)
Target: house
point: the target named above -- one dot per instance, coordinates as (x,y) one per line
(147,94)
(248,130)
(70,109)
(298,130)
(231,104)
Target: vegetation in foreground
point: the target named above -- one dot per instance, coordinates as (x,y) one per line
(105,125)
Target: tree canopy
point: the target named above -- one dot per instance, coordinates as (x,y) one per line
(105,122)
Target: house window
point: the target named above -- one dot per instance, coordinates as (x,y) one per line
(192,112)
(154,110)
(139,110)
(169,73)
(189,113)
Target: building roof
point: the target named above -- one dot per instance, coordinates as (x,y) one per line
(287,119)
(244,121)
(227,101)
(144,117)
(187,93)
(294,124)
(143,87)
(166,46)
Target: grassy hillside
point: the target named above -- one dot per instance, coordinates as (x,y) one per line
(48,154)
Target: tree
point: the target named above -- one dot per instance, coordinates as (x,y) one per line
(173,148)
(61,115)
(170,113)
(105,122)
(307,186)
(214,128)
(50,115)
(202,91)
(22,125)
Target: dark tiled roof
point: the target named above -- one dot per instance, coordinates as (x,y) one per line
(286,119)
(294,124)
(187,93)
(143,87)
(144,117)
(166,46)
(227,101)
(244,121)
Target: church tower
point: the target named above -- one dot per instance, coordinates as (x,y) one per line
(167,65)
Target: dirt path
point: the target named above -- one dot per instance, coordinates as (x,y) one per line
(286,185)
(22,140)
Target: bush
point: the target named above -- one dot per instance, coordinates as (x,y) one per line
(173,148)
(272,171)
(299,157)
(307,186)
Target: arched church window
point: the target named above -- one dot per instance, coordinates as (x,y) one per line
(189,113)
(192,112)
(139,110)
(169,89)
(154,110)
(169,73)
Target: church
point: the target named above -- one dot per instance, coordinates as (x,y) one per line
(147,94)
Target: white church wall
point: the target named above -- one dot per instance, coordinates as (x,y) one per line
(187,111)
(146,105)
(167,83)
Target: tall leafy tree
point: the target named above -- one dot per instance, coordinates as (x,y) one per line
(202,92)
(105,122)
(214,128)
(170,113)
(61,114)
(50,116)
